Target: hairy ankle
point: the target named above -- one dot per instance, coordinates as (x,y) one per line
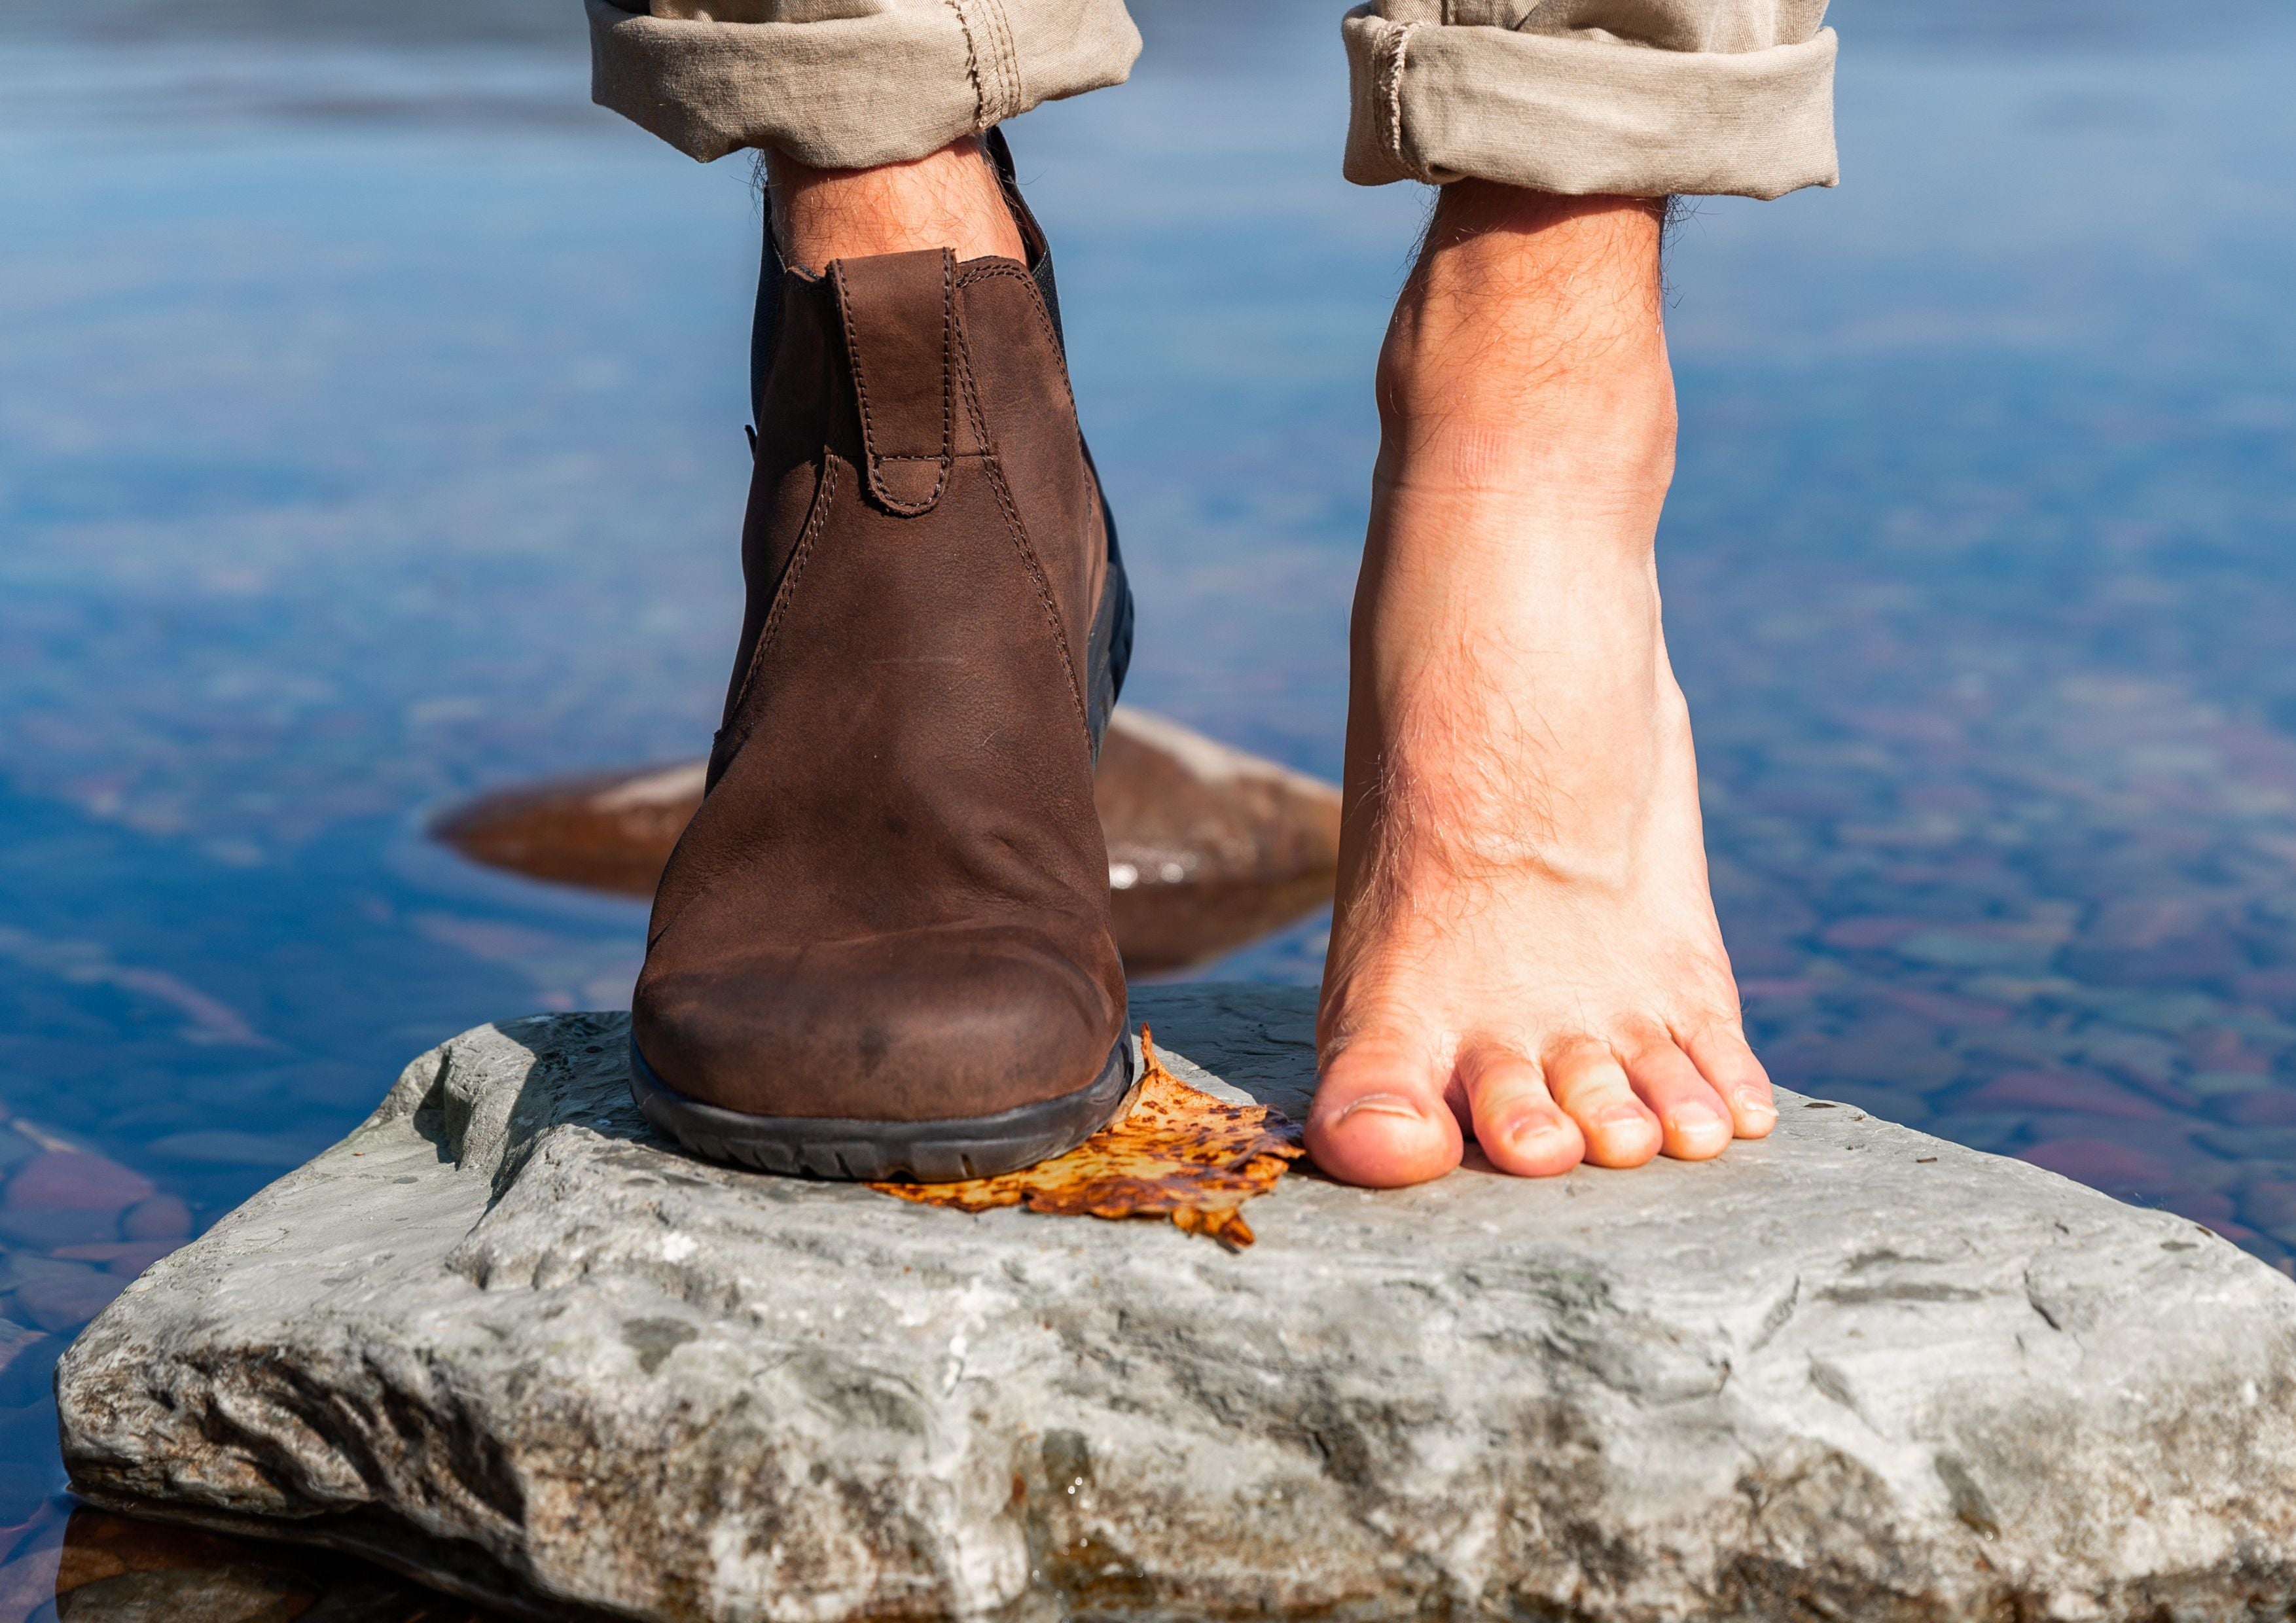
(1528,347)
(948,199)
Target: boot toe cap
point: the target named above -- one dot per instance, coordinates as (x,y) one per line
(877,1031)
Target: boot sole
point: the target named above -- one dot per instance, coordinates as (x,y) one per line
(873,1152)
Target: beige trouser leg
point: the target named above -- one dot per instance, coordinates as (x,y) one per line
(847,84)
(1639,96)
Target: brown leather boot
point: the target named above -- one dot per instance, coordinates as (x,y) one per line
(883,949)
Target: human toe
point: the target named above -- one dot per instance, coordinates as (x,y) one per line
(1378,1121)
(1517,1122)
(1696,1124)
(1587,1081)
(1722,1058)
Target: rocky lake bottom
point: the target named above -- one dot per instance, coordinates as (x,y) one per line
(370,436)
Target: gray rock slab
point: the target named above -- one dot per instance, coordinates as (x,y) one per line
(503,1338)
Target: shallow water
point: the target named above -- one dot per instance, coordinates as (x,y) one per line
(370,433)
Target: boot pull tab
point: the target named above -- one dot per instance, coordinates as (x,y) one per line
(900,312)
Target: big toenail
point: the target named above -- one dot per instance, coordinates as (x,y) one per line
(1382,1104)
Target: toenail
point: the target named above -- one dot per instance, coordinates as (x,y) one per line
(1382,1104)
(1700,1130)
(1529,1132)
(1625,1115)
(1753,1104)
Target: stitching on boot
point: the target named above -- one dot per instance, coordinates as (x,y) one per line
(1396,46)
(972,410)
(1019,537)
(947,370)
(1018,533)
(982,273)
(824,498)
(947,389)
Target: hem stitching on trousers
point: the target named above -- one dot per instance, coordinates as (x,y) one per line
(1398,46)
(991,60)
(1008,63)
(972,62)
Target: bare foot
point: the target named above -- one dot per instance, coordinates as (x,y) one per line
(1525,947)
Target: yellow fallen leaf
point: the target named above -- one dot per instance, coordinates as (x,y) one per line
(1178,1152)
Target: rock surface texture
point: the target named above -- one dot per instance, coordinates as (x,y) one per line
(502,1339)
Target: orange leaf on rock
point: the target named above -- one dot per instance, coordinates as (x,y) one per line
(1178,1152)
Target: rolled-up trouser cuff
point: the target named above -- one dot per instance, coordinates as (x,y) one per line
(849,92)
(1580,114)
